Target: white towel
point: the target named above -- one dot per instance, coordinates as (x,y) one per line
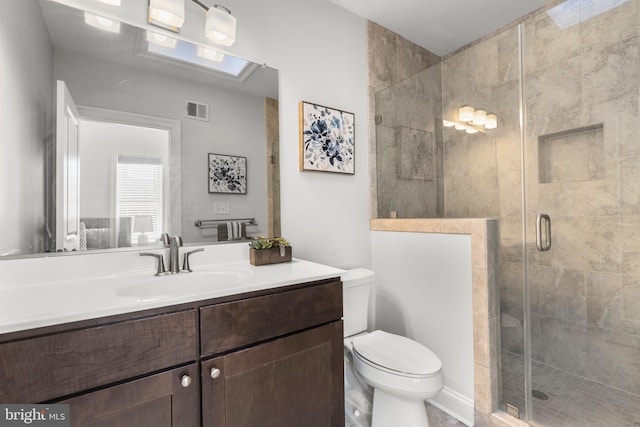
(234,230)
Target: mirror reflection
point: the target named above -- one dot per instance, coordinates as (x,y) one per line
(110,130)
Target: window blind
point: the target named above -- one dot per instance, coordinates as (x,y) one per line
(139,192)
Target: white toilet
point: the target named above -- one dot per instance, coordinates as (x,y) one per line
(403,373)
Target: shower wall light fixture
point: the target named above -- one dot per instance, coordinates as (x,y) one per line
(472,120)
(219,27)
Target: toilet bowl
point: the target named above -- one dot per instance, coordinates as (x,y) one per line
(402,372)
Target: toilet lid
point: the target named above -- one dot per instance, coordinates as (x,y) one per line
(397,353)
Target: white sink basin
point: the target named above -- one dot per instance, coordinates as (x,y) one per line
(185,283)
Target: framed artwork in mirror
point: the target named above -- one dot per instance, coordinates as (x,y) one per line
(227,174)
(326,139)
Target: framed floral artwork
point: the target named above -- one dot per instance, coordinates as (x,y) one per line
(227,174)
(326,139)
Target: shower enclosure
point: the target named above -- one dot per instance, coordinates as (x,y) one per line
(561,172)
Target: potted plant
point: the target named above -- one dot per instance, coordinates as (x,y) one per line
(269,250)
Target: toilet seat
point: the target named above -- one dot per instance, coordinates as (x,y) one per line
(396,354)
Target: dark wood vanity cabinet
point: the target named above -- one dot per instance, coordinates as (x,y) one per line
(293,376)
(267,358)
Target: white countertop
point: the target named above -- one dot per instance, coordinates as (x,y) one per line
(26,304)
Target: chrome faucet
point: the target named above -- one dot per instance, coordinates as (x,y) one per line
(165,239)
(174,254)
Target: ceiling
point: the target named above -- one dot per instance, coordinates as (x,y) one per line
(441,26)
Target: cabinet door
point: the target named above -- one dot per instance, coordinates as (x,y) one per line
(165,399)
(292,381)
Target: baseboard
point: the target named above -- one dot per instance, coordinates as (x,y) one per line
(455,404)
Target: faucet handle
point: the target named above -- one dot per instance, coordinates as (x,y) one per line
(185,263)
(165,239)
(178,240)
(160,269)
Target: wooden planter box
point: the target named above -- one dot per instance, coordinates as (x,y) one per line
(269,256)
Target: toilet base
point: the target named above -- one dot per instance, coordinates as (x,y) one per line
(390,411)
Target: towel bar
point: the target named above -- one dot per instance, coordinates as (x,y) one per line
(213,223)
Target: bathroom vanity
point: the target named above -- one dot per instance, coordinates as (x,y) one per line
(269,356)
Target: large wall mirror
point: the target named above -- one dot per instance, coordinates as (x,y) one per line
(108,130)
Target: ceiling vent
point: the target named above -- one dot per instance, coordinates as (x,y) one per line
(197,110)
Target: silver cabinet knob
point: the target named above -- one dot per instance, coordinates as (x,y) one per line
(215,372)
(185,381)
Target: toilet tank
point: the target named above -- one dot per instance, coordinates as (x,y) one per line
(356,288)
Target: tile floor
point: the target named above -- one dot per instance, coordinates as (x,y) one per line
(573,401)
(437,418)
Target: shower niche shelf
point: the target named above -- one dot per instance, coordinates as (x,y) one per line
(573,155)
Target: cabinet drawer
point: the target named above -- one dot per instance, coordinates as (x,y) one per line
(47,367)
(239,323)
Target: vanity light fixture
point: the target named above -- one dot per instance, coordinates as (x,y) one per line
(448,124)
(110,2)
(167,13)
(102,23)
(210,54)
(219,24)
(161,39)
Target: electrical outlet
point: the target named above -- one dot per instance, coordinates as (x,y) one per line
(221,208)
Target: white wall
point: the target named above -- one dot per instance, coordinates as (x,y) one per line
(423,291)
(25,117)
(100,144)
(320,52)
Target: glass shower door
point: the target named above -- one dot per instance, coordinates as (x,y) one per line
(582,203)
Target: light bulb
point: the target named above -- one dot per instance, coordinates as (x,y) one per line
(479,117)
(101,22)
(220,25)
(161,39)
(167,12)
(210,54)
(465,114)
(491,122)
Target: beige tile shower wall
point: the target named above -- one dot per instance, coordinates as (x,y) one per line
(483,234)
(406,143)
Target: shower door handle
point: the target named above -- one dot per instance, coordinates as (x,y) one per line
(543,232)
